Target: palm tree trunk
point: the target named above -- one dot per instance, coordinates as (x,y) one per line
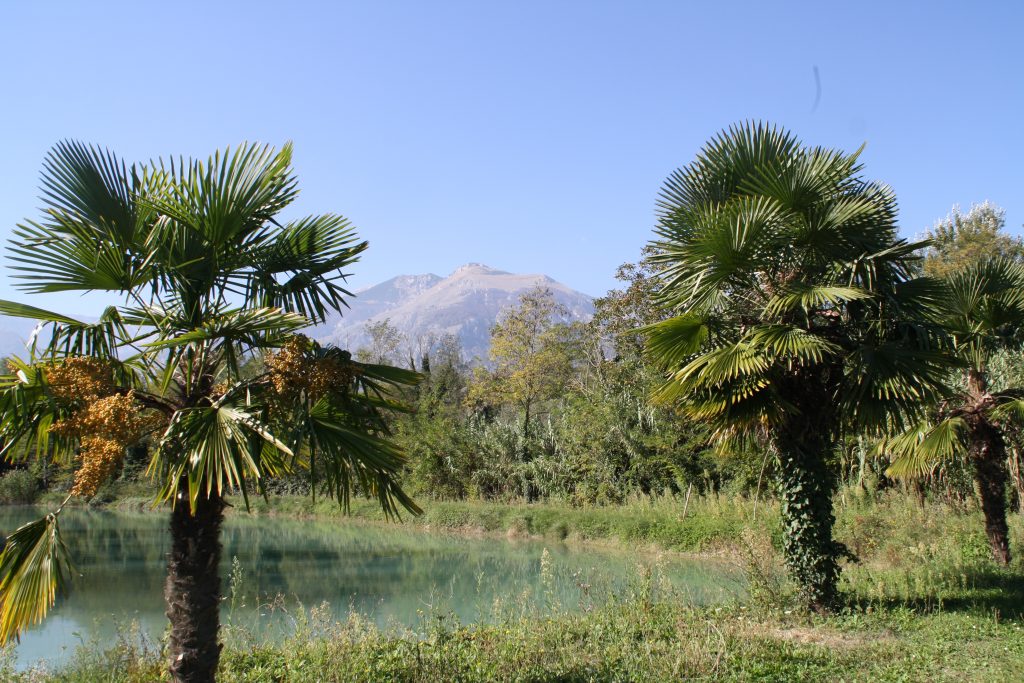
(989,454)
(192,592)
(805,488)
(991,474)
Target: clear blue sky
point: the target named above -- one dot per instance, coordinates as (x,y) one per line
(531,136)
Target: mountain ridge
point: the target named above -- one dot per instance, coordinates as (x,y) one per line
(466,304)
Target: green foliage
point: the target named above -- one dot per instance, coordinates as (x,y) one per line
(533,356)
(18,487)
(34,568)
(385,339)
(982,312)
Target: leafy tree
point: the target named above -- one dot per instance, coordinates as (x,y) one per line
(209,278)
(963,240)
(983,311)
(385,339)
(794,313)
(621,443)
(533,355)
(620,312)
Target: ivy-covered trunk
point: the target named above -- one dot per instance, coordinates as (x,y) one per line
(805,489)
(192,592)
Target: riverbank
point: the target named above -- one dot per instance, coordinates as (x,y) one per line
(873,526)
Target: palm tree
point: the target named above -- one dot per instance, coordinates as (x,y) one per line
(210,279)
(983,312)
(791,300)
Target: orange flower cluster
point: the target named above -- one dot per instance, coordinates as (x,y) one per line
(295,369)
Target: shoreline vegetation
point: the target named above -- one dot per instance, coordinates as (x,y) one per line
(706,525)
(924,603)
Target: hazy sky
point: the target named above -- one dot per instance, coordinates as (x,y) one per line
(530,136)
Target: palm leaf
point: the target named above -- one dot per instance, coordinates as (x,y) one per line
(919,448)
(34,568)
(790,342)
(672,341)
(253,326)
(806,296)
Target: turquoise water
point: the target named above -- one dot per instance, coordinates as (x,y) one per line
(390,574)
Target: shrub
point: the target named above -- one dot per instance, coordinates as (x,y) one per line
(18,487)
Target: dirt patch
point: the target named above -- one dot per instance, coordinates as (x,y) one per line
(828,637)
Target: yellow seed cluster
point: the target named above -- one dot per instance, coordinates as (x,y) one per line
(106,426)
(114,417)
(105,422)
(294,369)
(100,459)
(80,378)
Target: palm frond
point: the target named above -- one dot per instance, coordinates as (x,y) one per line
(672,341)
(252,326)
(807,296)
(216,448)
(34,569)
(919,448)
(892,381)
(350,456)
(300,266)
(90,237)
(791,342)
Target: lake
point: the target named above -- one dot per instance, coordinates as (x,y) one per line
(393,575)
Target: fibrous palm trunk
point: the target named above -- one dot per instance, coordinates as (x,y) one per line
(989,454)
(192,592)
(988,451)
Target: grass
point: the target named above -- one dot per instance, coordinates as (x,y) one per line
(629,639)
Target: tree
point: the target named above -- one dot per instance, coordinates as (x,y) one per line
(533,355)
(209,278)
(795,318)
(963,240)
(983,312)
(621,312)
(384,342)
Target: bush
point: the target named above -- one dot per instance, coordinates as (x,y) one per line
(18,487)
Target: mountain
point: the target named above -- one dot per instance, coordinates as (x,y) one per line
(466,303)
